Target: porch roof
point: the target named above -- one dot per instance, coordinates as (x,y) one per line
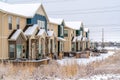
(86,29)
(16,34)
(74,39)
(79,38)
(30,30)
(41,32)
(84,39)
(60,39)
(50,33)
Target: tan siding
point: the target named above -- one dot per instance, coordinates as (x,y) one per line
(40,11)
(7,32)
(68,42)
(54,27)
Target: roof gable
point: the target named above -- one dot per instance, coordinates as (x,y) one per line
(31,30)
(16,34)
(26,10)
(74,24)
(56,21)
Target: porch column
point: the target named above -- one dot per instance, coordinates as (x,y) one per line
(49,46)
(44,47)
(53,42)
(30,56)
(39,45)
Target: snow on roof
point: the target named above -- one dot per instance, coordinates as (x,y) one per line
(86,29)
(79,38)
(60,39)
(40,33)
(74,24)
(50,33)
(74,39)
(56,21)
(27,10)
(84,39)
(30,30)
(16,34)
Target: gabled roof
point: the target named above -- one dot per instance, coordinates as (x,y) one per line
(50,33)
(60,39)
(41,32)
(56,21)
(74,24)
(30,30)
(86,29)
(79,38)
(26,10)
(16,35)
(84,39)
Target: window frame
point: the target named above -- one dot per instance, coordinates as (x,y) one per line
(18,22)
(65,33)
(10,22)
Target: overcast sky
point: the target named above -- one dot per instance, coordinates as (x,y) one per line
(95,14)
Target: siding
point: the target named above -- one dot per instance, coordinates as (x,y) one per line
(7,32)
(36,18)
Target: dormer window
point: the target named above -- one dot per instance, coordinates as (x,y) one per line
(10,22)
(41,24)
(61,28)
(18,22)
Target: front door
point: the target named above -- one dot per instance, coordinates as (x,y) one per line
(19,50)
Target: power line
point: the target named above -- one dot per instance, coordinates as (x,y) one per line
(56,1)
(104,11)
(107,7)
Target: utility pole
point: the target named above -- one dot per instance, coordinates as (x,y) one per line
(102,38)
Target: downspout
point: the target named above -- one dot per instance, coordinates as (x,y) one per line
(2,34)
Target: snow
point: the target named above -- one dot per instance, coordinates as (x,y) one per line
(74,24)
(103,77)
(86,29)
(40,33)
(84,39)
(110,48)
(27,10)
(74,39)
(56,21)
(60,39)
(16,34)
(50,33)
(30,30)
(79,38)
(85,61)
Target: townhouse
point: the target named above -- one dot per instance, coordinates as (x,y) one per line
(57,26)
(23,31)
(78,29)
(26,32)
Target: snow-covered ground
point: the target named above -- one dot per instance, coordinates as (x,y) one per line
(85,61)
(103,77)
(110,48)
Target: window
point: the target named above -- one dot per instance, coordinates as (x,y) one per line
(41,24)
(10,22)
(11,50)
(61,28)
(66,33)
(18,22)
